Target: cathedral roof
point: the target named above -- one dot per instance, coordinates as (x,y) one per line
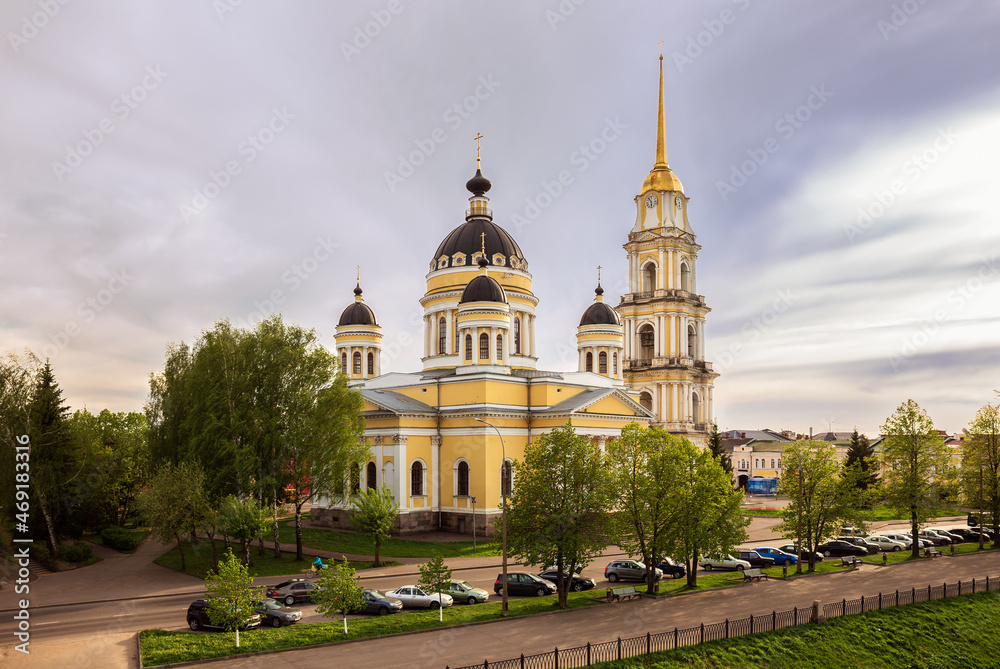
(483,289)
(467,238)
(357,313)
(599,313)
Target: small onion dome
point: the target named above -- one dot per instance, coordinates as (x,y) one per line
(478,185)
(600,313)
(358,313)
(483,289)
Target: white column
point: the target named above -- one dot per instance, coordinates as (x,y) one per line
(493,346)
(364,362)
(532,334)
(661,279)
(378,459)
(435,478)
(661,335)
(664,398)
(401,473)
(677,269)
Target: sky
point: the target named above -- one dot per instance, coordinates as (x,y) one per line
(167,164)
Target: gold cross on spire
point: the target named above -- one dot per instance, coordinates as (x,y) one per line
(484,243)
(478,137)
(598,275)
(358,267)
(661,48)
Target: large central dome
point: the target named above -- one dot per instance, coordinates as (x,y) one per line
(467,239)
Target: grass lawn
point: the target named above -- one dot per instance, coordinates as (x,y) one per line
(358,544)
(955,632)
(882,512)
(198,560)
(160,647)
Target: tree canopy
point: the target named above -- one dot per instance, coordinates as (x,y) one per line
(980,473)
(375,513)
(231,595)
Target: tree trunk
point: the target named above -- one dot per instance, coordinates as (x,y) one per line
(692,576)
(180,549)
(274,517)
(260,544)
(378,545)
(298,532)
(215,553)
(651,575)
(49,525)
(913,527)
(245,547)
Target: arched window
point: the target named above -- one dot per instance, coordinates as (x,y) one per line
(646,400)
(506,479)
(468,347)
(614,364)
(692,341)
(372,476)
(756,463)
(462,476)
(779,463)
(371,364)
(357,363)
(442,336)
(772,463)
(499,349)
(695,408)
(685,277)
(455,333)
(517,336)
(646,337)
(343,362)
(649,278)
(355,478)
(484,346)
(602,363)
(417,479)
(590,362)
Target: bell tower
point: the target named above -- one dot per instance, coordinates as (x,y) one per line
(663,314)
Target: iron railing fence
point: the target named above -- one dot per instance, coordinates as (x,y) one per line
(591,653)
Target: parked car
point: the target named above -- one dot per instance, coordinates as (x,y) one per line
(726,562)
(293,591)
(577,584)
(837,548)
(887,545)
(628,570)
(418,598)
(461,591)
(275,615)
(907,540)
(519,583)
(861,542)
(934,538)
(756,559)
(853,532)
(792,549)
(672,569)
(379,604)
(970,535)
(947,534)
(778,556)
(197,617)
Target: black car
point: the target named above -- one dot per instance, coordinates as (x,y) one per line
(840,549)
(292,591)
(861,542)
(577,584)
(794,550)
(197,617)
(519,583)
(756,559)
(672,569)
(276,615)
(380,604)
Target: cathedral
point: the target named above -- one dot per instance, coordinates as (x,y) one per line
(443,438)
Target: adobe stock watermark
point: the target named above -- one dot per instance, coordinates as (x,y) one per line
(34,23)
(121,108)
(581,160)
(223,8)
(562,12)
(901,14)
(910,172)
(87,311)
(454,116)
(957,298)
(755,327)
(248,150)
(786,126)
(364,34)
(704,39)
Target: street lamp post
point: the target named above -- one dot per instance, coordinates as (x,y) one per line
(503,532)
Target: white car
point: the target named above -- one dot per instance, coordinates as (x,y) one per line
(727,562)
(907,541)
(415,598)
(885,544)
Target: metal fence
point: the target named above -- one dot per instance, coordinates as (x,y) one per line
(584,656)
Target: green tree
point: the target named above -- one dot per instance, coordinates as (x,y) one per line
(18,374)
(339,591)
(823,495)
(244,520)
(558,512)
(980,472)
(231,595)
(375,513)
(861,454)
(434,577)
(707,518)
(916,463)
(718,450)
(643,475)
(174,503)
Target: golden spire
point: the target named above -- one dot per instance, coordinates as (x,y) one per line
(660,177)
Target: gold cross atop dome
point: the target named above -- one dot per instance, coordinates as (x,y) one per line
(598,275)
(358,267)
(483,235)
(478,137)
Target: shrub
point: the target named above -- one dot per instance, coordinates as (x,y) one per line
(77,552)
(40,551)
(120,539)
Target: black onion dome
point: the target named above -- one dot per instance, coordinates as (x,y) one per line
(599,313)
(478,185)
(357,313)
(467,238)
(483,289)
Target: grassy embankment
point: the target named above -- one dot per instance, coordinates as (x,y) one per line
(198,560)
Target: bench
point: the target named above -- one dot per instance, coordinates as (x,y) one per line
(932,552)
(754,574)
(627,592)
(852,560)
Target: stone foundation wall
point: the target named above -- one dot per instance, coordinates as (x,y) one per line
(417,521)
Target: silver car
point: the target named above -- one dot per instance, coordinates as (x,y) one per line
(628,570)
(885,544)
(415,598)
(727,562)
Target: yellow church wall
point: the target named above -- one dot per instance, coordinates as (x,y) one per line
(449,281)
(609,405)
